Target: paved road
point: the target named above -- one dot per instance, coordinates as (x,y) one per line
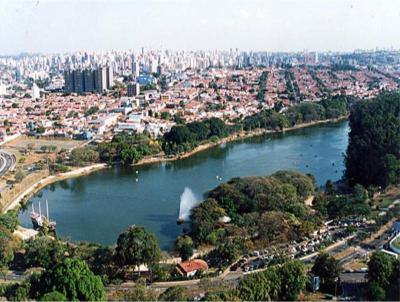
(7,162)
(353,284)
(12,276)
(230,276)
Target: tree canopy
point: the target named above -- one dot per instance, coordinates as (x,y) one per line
(380,269)
(75,281)
(383,277)
(127,148)
(136,246)
(184,246)
(372,157)
(44,252)
(276,204)
(183,138)
(327,268)
(276,283)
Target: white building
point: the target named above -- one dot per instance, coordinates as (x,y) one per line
(3,89)
(35,92)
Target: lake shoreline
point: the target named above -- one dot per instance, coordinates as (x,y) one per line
(48,180)
(231,138)
(43,182)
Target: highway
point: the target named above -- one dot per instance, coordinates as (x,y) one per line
(7,162)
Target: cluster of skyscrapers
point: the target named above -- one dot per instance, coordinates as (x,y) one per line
(88,80)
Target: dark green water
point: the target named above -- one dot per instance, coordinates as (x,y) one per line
(99,206)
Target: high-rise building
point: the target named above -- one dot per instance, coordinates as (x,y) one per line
(159,70)
(88,79)
(68,82)
(133,89)
(100,80)
(135,69)
(78,81)
(110,77)
(17,75)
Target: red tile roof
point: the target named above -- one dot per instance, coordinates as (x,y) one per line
(193,265)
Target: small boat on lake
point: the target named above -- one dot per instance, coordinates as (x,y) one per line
(39,220)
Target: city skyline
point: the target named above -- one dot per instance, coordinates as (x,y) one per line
(287,26)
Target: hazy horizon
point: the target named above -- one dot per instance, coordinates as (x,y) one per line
(286,26)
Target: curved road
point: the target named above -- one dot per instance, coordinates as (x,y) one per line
(7,162)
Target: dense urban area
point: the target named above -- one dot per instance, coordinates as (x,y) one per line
(272,237)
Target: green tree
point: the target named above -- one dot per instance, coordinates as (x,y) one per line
(372,157)
(380,269)
(138,293)
(9,220)
(264,286)
(92,110)
(375,292)
(178,135)
(19,175)
(184,246)
(327,268)
(329,187)
(222,295)
(205,219)
(174,293)
(217,127)
(6,247)
(53,296)
(136,246)
(293,280)
(75,280)
(83,155)
(44,252)
(360,193)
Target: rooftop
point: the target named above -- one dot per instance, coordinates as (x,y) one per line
(193,265)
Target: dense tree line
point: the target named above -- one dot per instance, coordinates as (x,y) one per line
(83,156)
(266,119)
(69,280)
(291,89)
(372,157)
(8,223)
(305,112)
(277,283)
(72,272)
(272,207)
(128,148)
(261,86)
(183,138)
(328,269)
(383,278)
(320,84)
(333,206)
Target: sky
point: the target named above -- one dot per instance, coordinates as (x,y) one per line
(59,26)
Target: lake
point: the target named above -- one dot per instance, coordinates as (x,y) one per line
(99,206)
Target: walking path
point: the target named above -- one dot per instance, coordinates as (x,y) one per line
(50,179)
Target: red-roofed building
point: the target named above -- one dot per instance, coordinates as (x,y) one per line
(191,267)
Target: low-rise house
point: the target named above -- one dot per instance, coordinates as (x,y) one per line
(191,267)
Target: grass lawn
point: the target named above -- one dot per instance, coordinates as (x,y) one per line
(396,243)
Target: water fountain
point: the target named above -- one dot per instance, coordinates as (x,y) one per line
(188,201)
